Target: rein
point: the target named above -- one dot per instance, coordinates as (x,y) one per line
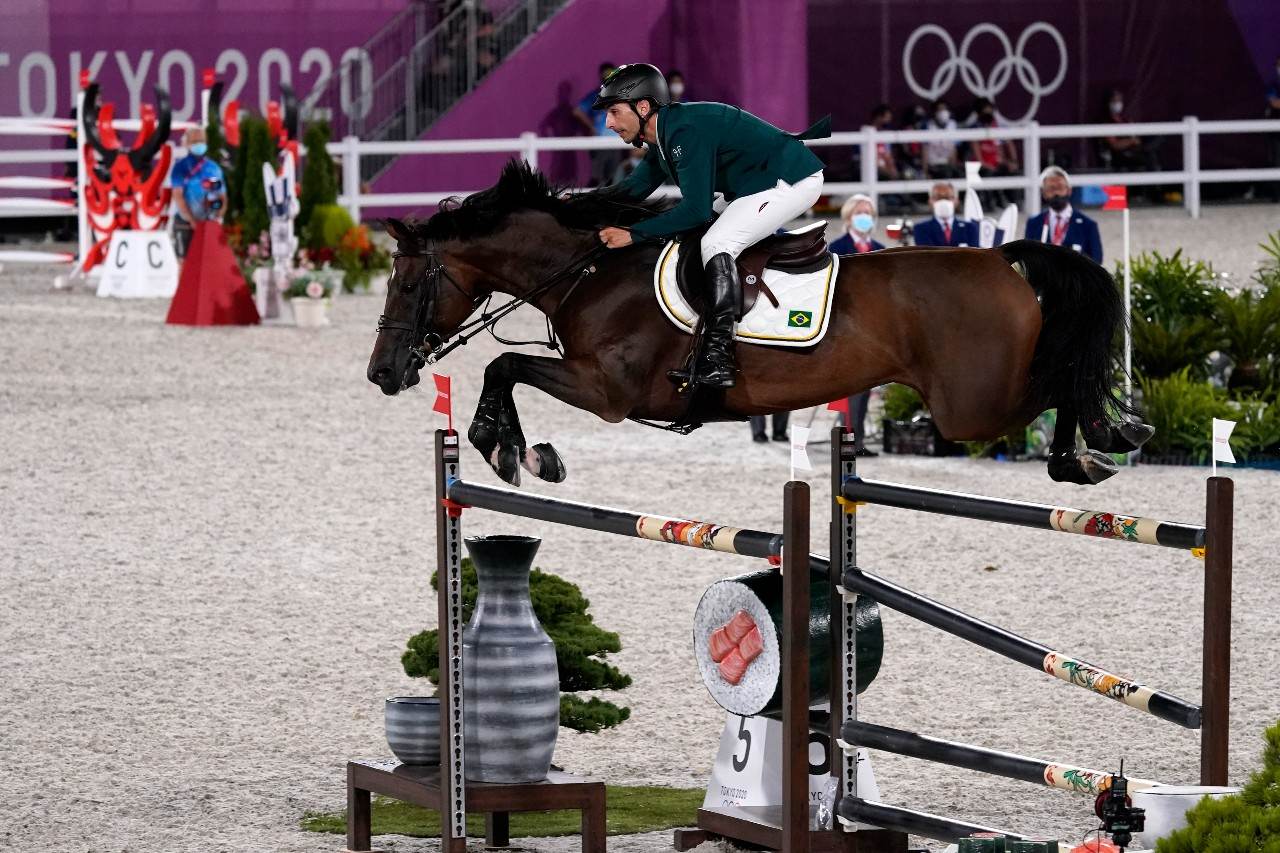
(429,347)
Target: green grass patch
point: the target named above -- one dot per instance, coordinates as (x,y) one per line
(630,810)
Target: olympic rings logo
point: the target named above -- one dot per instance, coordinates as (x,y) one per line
(1013,62)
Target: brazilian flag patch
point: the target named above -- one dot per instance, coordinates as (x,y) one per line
(800,319)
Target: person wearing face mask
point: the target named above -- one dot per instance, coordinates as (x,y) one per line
(859,217)
(1060,224)
(941,157)
(675,85)
(944,228)
(199,189)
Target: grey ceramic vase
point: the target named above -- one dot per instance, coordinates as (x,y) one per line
(511,684)
(413,729)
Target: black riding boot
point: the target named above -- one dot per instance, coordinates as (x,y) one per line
(717,367)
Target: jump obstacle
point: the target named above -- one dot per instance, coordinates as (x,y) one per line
(788,830)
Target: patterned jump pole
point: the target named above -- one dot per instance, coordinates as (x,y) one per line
(1105,525)
(1155,702)
(1078,780)
(675,531)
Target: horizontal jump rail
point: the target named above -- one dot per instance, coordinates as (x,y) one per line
(1104,525)
(1155,702)
(1078,780)
(27,182)
(856,810)
(675,531)
(22,256)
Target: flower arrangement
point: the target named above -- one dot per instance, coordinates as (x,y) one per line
(308,285)
(359,257)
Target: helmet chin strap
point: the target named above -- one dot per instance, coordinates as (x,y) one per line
(638,142)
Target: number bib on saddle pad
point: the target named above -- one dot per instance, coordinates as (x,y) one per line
(799,320)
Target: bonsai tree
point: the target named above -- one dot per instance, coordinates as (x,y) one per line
(1248,822)
(581,648)
(319,179)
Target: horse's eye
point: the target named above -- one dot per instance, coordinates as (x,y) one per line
(408,286)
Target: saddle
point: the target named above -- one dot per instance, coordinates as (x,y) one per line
(799,252)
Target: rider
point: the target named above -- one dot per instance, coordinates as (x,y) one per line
(768,178)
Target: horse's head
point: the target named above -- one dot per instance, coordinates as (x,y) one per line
(426,303)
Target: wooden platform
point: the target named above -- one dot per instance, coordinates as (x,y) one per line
(421,786)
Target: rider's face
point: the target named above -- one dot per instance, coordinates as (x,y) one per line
(622,120)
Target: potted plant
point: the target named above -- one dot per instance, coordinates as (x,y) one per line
(309,297)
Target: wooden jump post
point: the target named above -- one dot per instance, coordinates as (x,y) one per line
(1214,541)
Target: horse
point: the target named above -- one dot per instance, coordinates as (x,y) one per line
(990,338)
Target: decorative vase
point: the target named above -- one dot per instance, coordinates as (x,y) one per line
(413,729)
(511,684)
(310,313)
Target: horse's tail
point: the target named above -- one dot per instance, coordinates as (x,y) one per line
(1075,358)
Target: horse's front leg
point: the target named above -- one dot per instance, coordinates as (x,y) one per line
(495,430)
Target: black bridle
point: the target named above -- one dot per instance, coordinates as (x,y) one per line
(428,347)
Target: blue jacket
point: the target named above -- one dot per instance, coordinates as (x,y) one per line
(844,245)
(928,232)
(1082,233)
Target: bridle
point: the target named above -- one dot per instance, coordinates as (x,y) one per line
(428,347)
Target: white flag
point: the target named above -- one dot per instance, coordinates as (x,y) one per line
(799,456)
(1221,445)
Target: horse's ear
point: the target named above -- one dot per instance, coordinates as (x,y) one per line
(398,230)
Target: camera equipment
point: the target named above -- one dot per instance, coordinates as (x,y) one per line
(1119,818)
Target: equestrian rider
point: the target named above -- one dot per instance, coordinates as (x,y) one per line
(768,178)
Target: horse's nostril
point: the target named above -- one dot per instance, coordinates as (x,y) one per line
(380,376)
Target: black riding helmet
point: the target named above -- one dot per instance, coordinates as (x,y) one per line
(630,84)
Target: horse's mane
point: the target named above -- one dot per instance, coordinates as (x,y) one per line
(522,187)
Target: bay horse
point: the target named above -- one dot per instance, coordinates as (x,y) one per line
(990,338)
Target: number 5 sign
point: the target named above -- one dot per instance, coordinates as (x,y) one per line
(748,768)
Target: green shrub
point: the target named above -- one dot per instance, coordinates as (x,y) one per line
(247,198)
(1169,290)
(581,648)
(329,224)
(1181,409)
(1257,426)
(319,182)
(1247,324)
(1248,822)
(1160,350)
(901,402)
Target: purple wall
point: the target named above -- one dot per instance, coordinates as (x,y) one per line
(725,48)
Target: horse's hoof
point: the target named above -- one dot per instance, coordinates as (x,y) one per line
(1128,436)
(543,462)
(505,461)
(1087,469)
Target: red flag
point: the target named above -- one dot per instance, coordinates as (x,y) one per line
(443,403)
(841,405)
(1117,197)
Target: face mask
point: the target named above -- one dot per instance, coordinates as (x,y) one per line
(944,208)
(943,116)
(863,222)
(1117,107)
(199,149)
(1058,202)
(677,89)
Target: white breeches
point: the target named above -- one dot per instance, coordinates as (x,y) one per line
(751,218)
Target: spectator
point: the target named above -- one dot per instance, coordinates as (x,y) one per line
(199,189)
(1272,110)
(911,154)
(943,228)
(1126,153)
(941,157)
(604,160)
(779,427)
(859,217)
(627,166)
(886,163)
(1060,224)
(676,86)
(999,157)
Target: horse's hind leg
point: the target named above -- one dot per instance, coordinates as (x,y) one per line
(1124,437)
(1066,464)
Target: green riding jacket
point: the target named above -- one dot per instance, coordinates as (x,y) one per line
(708,148)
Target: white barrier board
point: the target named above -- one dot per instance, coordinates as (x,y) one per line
(139,265)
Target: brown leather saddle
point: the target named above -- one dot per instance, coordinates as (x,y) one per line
(802,252)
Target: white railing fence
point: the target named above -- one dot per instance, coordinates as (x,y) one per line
(529,146)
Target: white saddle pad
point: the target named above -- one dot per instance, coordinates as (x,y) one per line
(800,320)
